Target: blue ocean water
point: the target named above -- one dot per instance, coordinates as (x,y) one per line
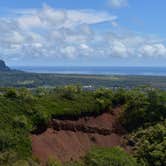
(156,71)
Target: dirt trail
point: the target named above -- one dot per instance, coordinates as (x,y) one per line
(69,140)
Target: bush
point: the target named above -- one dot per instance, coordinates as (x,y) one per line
(11,93)
(7,140)
(135,110)
(150,144)
(7,158)
(144,107)
(104,98)
(76,163)
(53,162)
(119,97)
(109,157)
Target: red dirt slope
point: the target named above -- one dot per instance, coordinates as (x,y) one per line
(69,140)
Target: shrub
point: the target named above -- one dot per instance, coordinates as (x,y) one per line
(119,97)
(150,144)
(76,163)
(135,111)
(53,162)
(109,157)
(7,140)
(11,93)
(144,107)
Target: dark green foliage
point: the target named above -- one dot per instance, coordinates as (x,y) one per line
(75,163)
(104,98)
(109,157)
(7,140)
(150,144)
(135,110)
(10,158)
(157,106)
(143,108)
(11,93)
(120,97)
(106,157)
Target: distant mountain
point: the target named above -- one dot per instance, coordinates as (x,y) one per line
(3,66)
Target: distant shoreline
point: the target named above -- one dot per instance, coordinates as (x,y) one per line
(95,70)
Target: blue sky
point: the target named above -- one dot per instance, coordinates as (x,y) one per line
(83,32)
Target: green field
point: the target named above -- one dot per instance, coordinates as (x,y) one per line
(32,80)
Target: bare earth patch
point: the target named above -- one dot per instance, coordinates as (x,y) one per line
(68,140)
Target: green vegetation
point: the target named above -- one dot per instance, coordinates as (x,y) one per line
(145,115)
(26,111)
(106,157)
(150,144)
(111,157)
(34,80)
(53,162)
(144,108)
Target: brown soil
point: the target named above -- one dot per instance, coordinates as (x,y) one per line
(69,140)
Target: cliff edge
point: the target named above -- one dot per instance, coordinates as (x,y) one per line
(3,66)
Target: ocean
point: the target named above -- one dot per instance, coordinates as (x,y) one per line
(152,71)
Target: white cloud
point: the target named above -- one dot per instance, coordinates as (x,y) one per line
(118,3)
(157,49)
(58,18)
(119,49)
(51,33)
(69,51)
(29,21)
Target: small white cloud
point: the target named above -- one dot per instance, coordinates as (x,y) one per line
(117,3)
(114,24)
(69,51)
(153,50)
(119,49)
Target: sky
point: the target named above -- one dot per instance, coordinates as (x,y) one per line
(83,32)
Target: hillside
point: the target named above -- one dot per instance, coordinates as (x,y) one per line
(71,139)
(66,123)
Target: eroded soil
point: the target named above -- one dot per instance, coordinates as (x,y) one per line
(68,140)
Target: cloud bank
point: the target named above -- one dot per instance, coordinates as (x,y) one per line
(60,33)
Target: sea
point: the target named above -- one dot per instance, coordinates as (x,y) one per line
(95,70)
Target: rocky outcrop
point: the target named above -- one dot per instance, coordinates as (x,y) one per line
(3,66)
(104,124)
(69,126)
